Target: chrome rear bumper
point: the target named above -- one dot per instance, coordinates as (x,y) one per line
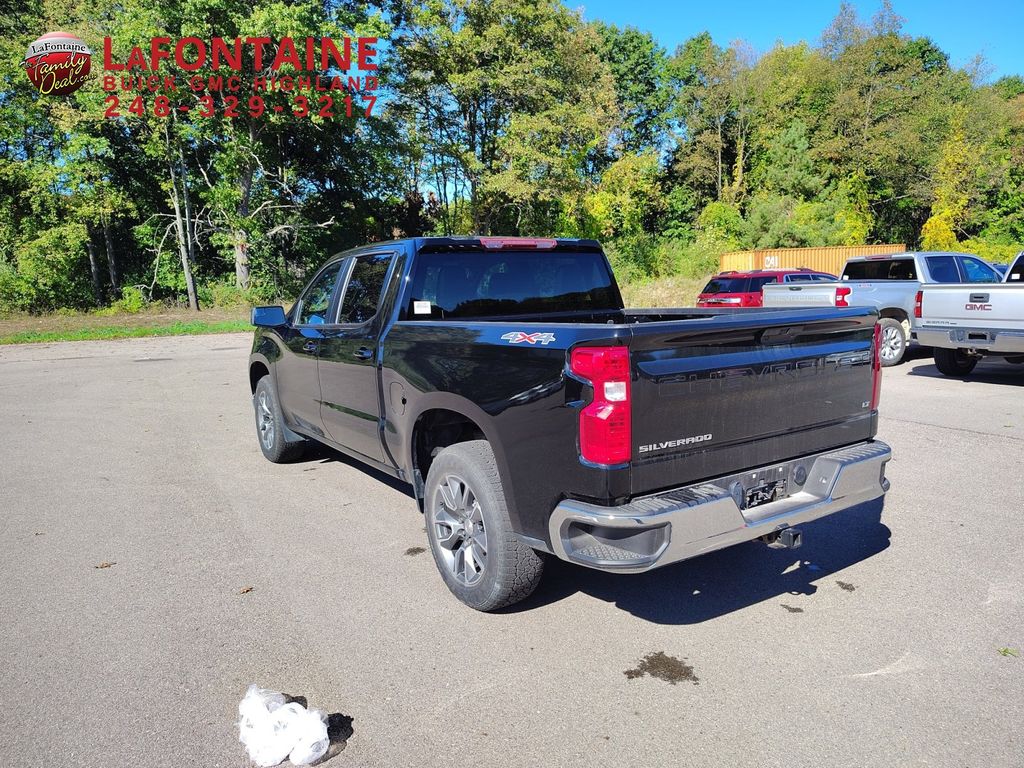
(685,522)
(994,342)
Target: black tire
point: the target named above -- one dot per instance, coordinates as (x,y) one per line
(270,430)
(953,362)
(509,570)
(894,341)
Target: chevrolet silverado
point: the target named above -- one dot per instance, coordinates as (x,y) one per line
(534,416)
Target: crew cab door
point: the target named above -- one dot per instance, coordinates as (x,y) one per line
(298,385)
(349,390)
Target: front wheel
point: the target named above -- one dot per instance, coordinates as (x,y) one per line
(270,429)
(954,362)
(894,341)
(481,560)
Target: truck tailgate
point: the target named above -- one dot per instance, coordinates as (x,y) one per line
(799,295)
(747,389)
(978,305)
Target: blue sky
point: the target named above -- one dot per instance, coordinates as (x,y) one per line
(993,28)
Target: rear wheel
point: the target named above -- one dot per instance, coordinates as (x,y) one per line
(270,429)
(481,560)
(894,341)
(954,362)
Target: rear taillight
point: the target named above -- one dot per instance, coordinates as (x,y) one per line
(876,367)
(606,422)
(842,295)
(917,303)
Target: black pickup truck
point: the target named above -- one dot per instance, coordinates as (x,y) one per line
(533,415)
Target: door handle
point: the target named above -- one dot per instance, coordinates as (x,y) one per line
(363,353)
(309,346)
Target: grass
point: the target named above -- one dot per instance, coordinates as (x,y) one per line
(161,321)
(673,291)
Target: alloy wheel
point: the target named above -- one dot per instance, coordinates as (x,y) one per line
(892,343)
(459,530)
(265,421)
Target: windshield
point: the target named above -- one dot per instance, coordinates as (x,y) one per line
(479,284)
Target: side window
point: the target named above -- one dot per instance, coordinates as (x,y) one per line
(1016,270)
(943,269)
(757,283)
(316,300)
(362,294)
(978,271)
(799,278)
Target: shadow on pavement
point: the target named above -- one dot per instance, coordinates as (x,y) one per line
(989,371)
(318,453)
(339,728)
(728,580)
(705,587)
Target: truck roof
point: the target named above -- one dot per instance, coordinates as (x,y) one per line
(907,255)
(485,242)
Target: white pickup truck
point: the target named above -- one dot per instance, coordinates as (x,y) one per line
(889,284)
(964,323)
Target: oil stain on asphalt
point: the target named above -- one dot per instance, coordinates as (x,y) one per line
(415,551)
(846,586)
(664,667)
(792,609)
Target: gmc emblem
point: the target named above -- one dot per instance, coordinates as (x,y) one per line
(978,307)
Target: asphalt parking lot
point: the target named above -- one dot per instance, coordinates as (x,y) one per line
(887,640)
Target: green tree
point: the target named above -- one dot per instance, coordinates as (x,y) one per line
(639,67)
(512,102)
(629,200)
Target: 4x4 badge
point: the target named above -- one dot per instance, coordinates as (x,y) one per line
(518,337)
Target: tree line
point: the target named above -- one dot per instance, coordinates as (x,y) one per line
(493,116)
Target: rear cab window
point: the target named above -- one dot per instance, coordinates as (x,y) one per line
(881,269)
(502,283)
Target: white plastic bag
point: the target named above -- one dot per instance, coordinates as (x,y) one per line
(259,727)
(272,730)
(311,741)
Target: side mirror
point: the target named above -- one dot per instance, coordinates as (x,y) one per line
(269,317)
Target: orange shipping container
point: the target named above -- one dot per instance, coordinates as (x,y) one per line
(829,258)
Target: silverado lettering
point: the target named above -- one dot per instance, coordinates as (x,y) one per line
(675,443)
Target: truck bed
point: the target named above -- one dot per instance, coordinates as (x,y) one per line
(714,392)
